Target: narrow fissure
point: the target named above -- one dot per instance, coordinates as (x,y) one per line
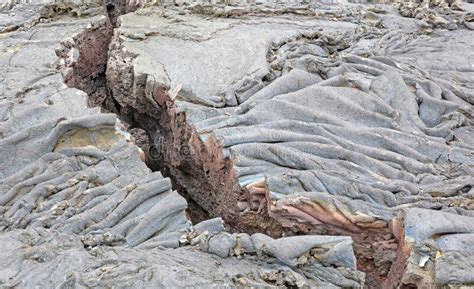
(201,175)
(84,67)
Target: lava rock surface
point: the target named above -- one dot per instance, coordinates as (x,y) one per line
(347,125)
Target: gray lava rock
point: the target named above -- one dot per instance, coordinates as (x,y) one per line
(78,206)
(436,249)
(307,124)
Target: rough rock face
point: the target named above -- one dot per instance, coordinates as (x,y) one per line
(349,124)
(38,258)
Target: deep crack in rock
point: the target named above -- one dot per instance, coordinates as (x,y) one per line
(202,146)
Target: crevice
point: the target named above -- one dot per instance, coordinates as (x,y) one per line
(83,63)
(198,169)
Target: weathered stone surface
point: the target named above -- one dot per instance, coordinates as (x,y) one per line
(341,119)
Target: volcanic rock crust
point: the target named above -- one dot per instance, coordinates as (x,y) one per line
(347,128)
